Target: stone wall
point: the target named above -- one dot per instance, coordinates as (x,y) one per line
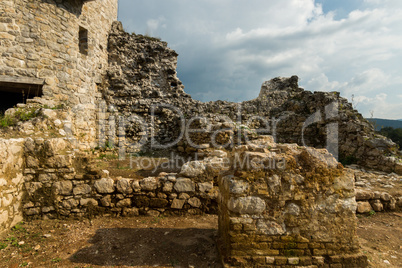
(297,212)
(11,182)
(41,39)
(62,183)
(142,74)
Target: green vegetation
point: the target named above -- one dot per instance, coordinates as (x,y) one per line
(395,134)
(20,115)
(348,160)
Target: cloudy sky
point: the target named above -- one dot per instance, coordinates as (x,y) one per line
(227,48)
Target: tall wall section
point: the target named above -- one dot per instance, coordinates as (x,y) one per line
(64,43)
(142,74)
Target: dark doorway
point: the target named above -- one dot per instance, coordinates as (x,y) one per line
(14,90)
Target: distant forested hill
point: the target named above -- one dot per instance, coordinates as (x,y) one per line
(382,123)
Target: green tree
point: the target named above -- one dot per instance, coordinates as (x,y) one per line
(395,134)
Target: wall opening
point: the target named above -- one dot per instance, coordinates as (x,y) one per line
(14,90)
(83,40)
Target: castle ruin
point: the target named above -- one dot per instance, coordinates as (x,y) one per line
(94,85)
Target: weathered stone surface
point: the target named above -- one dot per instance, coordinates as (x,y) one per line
(69,204)
(364,194)
(130,212)
(247,205)
(149,184)
(192,169)
(205,187)
(104,186)
(124,203)
(124,186)
(377,206)
(235,186)
(178,203)
(168,186)
(184,185)
(63,187)
(82,189)
(363,207)
(194,202)
(88,202)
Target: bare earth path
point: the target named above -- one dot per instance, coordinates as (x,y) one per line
(158,242)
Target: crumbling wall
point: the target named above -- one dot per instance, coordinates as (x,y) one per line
(147,99)
(287,205)
(65,43)
(11,182)
(60,182)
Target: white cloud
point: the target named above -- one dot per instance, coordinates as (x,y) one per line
(227,50)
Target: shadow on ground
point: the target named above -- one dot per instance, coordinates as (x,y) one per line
(151,247)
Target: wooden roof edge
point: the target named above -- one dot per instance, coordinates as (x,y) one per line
(21,80)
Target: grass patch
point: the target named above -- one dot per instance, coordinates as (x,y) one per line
(20,115)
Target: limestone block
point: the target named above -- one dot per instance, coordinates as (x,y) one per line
(104,186)
(63,187)
(124,186)
(70,203)
(247,205)
(184,196)
(218,153)
(192,169)
(184,185)
(377,205)
(32,211)
(32,162)
(215,166)
(88,201)
(293,261)
(136,186)
(274,183)
(205,187)
(363,207)
(178,203)
(385,196)
(269,227)
(106,201)
(234,186)
(149,184)
(194,202)
(82,189)
(32,187)
(51,114)
(130,212)
(364,194)
(124,203)
(168,186)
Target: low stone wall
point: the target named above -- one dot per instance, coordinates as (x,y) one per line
(300,213)
(368,201)
(61,183)
(11,182)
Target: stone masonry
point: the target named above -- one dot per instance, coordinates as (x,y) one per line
(287,206)
(45,39)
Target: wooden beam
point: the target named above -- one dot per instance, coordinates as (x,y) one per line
(21,80)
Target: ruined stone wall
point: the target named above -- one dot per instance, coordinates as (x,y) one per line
(11,182)
(41,39)
(142,74)
(299,212)
(62,183)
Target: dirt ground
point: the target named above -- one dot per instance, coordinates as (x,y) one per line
(158,242)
